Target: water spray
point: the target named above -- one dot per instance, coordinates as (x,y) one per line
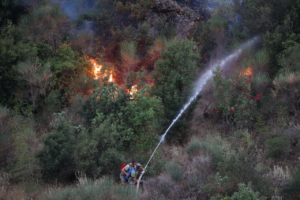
(198,86)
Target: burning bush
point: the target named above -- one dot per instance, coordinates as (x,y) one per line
(129,58)
(234,98)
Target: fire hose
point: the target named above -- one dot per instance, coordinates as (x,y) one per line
(140,178)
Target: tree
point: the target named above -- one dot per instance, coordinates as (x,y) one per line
(218,27)
(174,74)
(277,21)
(133,115)
(129,58)
(10,10)
(46,23)
(97,152)
(260,16)
(26,167)
(14,50)
(37,76)
(57,155)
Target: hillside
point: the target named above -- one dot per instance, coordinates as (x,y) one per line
(209,88)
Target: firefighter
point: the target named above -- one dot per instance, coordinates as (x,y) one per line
(125,169)
(133,175)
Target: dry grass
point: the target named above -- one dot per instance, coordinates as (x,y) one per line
(195,171)
(279,172)
(162,186)
(17,192)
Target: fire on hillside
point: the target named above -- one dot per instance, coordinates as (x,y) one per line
(99,72)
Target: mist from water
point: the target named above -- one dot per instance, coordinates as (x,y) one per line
(202,80)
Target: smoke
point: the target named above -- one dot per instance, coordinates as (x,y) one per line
(71,9)
(75,10)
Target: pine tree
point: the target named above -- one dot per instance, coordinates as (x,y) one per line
(26,168)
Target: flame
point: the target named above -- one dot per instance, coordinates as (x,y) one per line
(133,90)
(97,70)
(247,72)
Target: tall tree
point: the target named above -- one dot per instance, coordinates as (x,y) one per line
(174,74)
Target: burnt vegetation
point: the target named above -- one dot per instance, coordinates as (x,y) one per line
(87,85)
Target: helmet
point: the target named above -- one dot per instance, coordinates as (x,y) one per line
(138,165)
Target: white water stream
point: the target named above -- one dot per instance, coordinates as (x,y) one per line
(201,81)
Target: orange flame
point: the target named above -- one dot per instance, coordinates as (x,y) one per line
(133,90)
(247,72)
(97,70)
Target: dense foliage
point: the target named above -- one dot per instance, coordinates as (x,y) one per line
(87,85)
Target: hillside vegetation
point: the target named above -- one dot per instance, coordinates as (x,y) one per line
(88,85)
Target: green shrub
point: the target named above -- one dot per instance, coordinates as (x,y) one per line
(193,147)
(174,74)
(215,146)
(100,189)
(240,166)
(15,50)
(277,146)
(245,193)
(212,145)
(57,155)
(36,76)
(97,152)
(234,98)
(216,186)
(4,124)
(133,116)
(175,171)
(156,169)
(292,189)
(26,168)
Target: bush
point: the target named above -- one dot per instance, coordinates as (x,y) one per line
(234,98)
(36,76)
(175,171)
(100,189)
(193,148)
(162,187)
(133,116)
(174,74)
(155,169)
(57,155)
(240,166)
(245,193)
(277,146)
(292,189)
(26,168)
(211,145)
(286,91)
(4,122)
(96,153)
(47,24)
